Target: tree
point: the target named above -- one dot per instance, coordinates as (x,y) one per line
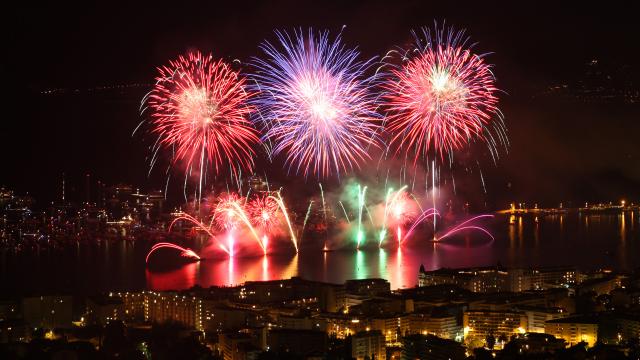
(490,341)
(503,338)
(415,347)
(114,338)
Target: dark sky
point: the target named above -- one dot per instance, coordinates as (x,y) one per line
(563,146)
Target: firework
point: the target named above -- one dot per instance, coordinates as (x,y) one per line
(467,225)
(285,212)
(314,103)
(199,111)
(306,218)
(419,220)
(263,212)
(346,216)
(226,217)
(188,253)
(226,214)
(400,208)
(442,96)
(362,191)
(229,213)
(199,224)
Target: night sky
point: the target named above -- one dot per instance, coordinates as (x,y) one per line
(579,144)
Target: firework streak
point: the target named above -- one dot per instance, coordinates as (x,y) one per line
(188,253)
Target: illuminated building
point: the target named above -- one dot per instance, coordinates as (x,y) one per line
(520,280)
(628,326)
(121,201)
(532,343)
(368,345)
(625,297)
(133,305)
(439,295)
(495,279)
(574,329)
(169,306)
(347,301)
(599,286)
(236,346)
(545,278)
(219,316)
(438,323)
(296,291)
(538,316)
(118,200)
(368,287)
(394,327)
(127,306)
(102,309)
(479,324)
(342,325)
(149,206)
(481,280)
(506,301)
(247,351)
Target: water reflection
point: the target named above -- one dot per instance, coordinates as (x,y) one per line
(580,239)
(399,266)
(525,241)
(182,278)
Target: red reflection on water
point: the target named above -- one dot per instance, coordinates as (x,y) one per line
(182,278)
(399,266)
(224,272)
(400,270)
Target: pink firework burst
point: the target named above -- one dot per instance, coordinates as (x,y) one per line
(228,211)
(199,110)
(401,208)
(442,97)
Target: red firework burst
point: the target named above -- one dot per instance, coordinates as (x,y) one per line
(199,109)
(442,97)
(263,211)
